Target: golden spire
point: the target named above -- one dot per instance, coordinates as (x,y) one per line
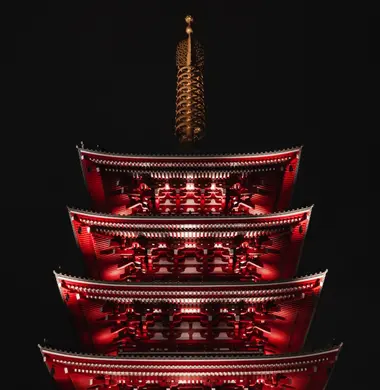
(190,106)
(189,19)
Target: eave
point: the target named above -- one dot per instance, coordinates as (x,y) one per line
(183,286)
(201,357)
(274,219)
(186,160)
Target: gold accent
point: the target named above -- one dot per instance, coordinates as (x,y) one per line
(190,105)
(189,19)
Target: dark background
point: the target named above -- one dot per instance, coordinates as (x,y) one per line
(278,74)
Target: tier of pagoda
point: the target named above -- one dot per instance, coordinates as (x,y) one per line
(192,263)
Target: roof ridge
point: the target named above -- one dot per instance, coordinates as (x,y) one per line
(284,150)
(183,355)
(189,217)
(116,283)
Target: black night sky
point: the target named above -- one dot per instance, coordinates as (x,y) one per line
(278,74)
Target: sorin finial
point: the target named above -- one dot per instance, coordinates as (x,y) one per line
(189,19)
(190,105)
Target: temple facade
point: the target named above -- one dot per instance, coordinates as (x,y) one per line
(192,267)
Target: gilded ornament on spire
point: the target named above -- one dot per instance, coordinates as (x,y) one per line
(190,105)
(189,19)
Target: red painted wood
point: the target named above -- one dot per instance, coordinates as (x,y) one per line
(279,313)
(114,182)
(261,248)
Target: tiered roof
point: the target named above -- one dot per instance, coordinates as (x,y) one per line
(273,174)
(225,161)
(107,242)
(299,371)
(282,326)
(192,250)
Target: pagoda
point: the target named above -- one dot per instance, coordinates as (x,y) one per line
(192,262)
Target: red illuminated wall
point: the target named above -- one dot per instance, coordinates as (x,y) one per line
(257,248)
(262,317)
(190,254)
(200,185)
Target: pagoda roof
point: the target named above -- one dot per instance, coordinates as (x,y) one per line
(192,222)
(295,302)
(189,160)
(166,291)
(76,370)
(94,231)
(110,178)
(304,357)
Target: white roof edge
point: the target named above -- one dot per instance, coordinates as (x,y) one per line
(296,149)
(188,219)
(259,358)
(76,279)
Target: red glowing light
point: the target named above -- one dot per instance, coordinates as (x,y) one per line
(275,181)
(195,253)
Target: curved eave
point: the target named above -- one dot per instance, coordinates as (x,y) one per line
(260,285)
(189,219)
(184,357)
(188,157)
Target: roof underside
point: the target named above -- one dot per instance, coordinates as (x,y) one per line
(272,317)
(154,184)
(116,247)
